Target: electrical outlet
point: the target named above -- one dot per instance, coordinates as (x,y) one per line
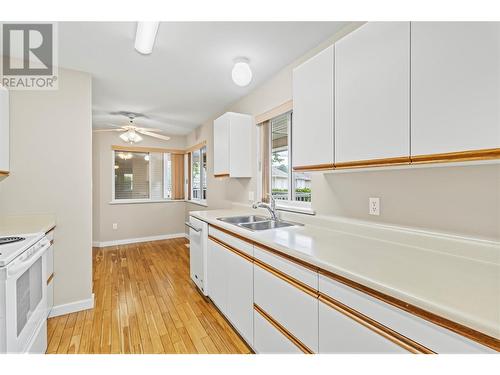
(374,206)
(251,196)
(115,226)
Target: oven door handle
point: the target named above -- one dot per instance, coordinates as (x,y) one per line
(26,263)
(188,224)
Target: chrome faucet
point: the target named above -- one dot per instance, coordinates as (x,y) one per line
(271,207)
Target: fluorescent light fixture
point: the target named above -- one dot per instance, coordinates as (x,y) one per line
(241,73)
(145,36)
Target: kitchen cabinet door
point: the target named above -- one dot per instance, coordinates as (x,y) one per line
(217,275)
(240,295)
(340,334)
(455,86)
(312,123)
(221,145)
(268,340)
(372,94)
(4,131)
(232,145)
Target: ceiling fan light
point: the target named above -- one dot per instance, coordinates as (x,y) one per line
(124,137)
(241,73)
(145,36)
(131,136)
(134,138)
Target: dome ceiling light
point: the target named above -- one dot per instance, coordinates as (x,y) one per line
(241,73)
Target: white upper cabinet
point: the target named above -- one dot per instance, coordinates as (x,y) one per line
(312,124)
(232,145)
(455,86)
(372,93)
(4,131)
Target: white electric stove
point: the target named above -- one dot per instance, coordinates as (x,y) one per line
(23,293)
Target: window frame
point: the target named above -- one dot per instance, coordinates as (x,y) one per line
(290,204)
(114,200)
(203,175)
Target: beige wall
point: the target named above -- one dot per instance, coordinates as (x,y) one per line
(51,174)
(135,220)
(460,200)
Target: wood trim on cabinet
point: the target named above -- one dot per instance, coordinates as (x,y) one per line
(4,173)
(485,154)
(276,111)
(290,280)
(314,167)
(232,249)
(51,277)
(299,344)
(373,162)
(398,339)
(458,328)
(268,249)
(224,230)
(221,175)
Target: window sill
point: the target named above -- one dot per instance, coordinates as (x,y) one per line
(199,203)
(139,201)
(295,209)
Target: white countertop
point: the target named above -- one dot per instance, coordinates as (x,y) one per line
(16,225)
(462,287)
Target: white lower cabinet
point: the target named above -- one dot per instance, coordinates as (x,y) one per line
(268,339)
(217,276)
(240,295)
(231,287)
(420,331)
(291,307)
(279,306)
(341,334)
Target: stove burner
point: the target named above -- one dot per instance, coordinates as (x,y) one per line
(6,240)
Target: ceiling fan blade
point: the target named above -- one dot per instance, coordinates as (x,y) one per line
(108,130)
(114,125)
(147,129)
(154,135)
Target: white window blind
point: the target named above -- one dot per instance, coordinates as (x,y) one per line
(131,175)
(157,176)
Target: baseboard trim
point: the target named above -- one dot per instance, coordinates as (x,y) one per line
(137,240)
(72,307)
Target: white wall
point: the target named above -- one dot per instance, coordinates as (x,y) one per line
(137,220)
(460,200)
(51,174)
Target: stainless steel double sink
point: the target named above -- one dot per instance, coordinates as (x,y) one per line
(256,222)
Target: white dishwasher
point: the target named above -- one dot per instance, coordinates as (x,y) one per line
(198,237)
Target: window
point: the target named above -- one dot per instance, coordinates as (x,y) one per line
(198,174)
(278,178)
(147,176)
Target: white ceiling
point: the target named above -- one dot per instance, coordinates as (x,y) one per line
(187,78)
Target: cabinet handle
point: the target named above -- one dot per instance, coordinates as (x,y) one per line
(188,224)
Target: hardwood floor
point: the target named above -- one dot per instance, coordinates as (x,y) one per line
(145,302)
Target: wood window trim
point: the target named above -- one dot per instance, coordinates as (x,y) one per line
(274,112)
(159,149)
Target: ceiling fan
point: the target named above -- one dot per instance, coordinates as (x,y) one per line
(131,132)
